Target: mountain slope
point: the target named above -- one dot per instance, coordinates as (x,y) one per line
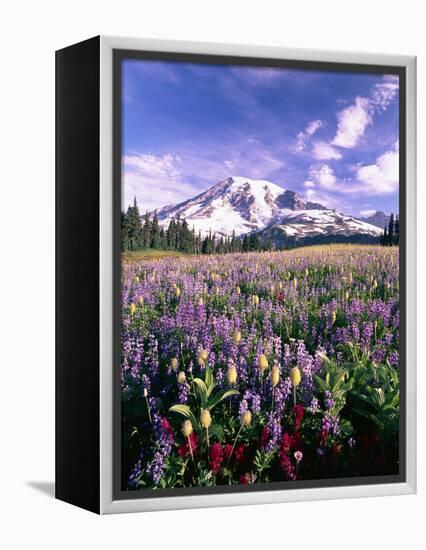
(319,226)
(237,204)
(379,219)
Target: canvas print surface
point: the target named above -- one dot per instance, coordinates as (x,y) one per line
(259,275)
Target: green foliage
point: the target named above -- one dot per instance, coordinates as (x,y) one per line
(204,400)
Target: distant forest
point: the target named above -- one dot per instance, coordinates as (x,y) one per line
(390,235)
(146,233)
(138,234)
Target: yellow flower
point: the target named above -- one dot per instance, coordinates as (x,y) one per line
(187,428)
(140,300)
(238,290)
(201,362)
(200,301)
(231,374)
(295,376)
(280,285)
(263,362)
(306,272)
(237,337)
(132,309)
(333,317)
(350,278)
(181,377)
(295,283)
(177,291)
(136,279)
(346,295)
(255,300)
(203,354)
(275,376)
(246,419)
(206,419)
(174,364)
(375,283)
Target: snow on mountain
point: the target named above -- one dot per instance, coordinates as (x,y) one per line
(244,205)
(319,224)
(379,218)
(237,204)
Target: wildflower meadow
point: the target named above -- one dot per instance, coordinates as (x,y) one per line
(260,367)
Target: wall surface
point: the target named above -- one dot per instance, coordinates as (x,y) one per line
(30,32)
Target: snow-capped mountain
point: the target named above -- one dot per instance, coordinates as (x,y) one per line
(320,226)
(379,218)
(244,205)
(237,204)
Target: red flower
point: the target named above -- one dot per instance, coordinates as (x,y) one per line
(215,457)
(240,454)
(245,478)
(264,437)
(287,467)
(167,427)
(299,411)
(227,451)
(286,443)
(183,450)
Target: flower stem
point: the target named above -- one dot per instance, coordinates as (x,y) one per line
(233,446)
(208,444)
(190,449)
(294,395)
(149,410)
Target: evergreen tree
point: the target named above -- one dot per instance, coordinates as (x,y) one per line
(384,238)
(124,232)
(146,231)
(133,227)
(396,240)
(391,229)
(155,233)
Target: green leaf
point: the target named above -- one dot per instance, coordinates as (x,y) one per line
(217,431)
(320,383)
(185,411)
(201,389)
(220,396)
(209,380)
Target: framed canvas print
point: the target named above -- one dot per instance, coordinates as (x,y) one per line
(235,283)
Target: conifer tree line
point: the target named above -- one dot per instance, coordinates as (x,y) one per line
(390,236)
(139,234)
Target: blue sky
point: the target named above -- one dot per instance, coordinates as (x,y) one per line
(332,137)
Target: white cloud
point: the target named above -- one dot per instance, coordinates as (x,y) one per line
(352,122)
(367,213)
(324,151)
(302,138)
(309,184)
(313,126)
(154,181)
(323,176)
(382,177)
(160,180)
(384,92)
(330,201)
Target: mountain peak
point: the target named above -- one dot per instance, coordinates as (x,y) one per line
(244,205)
(377,218)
